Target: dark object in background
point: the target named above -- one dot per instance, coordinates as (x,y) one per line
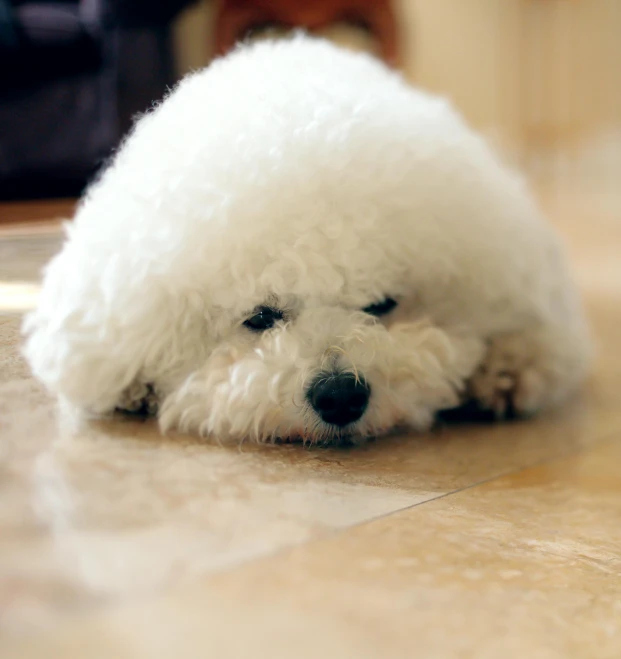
(238,19)
(72,75)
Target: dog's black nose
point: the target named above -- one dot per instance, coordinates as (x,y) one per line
(339,399)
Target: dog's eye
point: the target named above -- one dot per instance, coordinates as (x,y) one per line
(381,308)
(263,319)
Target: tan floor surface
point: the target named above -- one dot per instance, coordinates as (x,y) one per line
(489,542)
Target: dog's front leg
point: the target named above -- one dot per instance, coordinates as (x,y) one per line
(524,372)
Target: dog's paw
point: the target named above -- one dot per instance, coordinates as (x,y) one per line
(139,398)
(508,383)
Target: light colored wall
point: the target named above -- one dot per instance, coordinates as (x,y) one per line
(575,70)
(469,51)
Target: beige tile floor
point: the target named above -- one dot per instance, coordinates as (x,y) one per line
(496,541)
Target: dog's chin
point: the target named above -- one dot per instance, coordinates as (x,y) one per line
(330,436)
(336,439)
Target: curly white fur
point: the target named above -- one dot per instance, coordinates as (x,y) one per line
(318,181)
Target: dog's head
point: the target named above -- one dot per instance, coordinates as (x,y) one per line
(315,337)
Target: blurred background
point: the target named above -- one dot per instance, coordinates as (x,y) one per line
(540,78)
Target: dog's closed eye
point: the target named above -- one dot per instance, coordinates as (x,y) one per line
(263,318)
(381,308)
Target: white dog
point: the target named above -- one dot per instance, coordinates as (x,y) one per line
(297,244)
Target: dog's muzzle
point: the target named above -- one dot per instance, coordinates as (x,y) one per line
(339,399)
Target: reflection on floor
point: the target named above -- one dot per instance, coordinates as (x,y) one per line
(497,541)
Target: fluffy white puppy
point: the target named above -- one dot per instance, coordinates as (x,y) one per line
(297,244)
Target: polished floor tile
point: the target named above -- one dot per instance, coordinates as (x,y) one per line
(526,565)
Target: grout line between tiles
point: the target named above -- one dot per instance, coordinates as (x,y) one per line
(335,532)
(607,437)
